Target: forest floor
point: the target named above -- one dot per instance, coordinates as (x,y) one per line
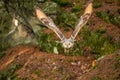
(29,63)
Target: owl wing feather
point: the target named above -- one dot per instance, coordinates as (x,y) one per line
(83,20)
(48,22)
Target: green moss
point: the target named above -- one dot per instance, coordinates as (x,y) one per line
(95,78)
(2,54)
(102,31)
(62,2)
(34,79)
(67,19)
(51,8)
(38,72)
(5,24)
(97,3)
(116,20)
(104,15)
(118,61)
(97,43)
(47,43)
(66,77)
(109,18)
(9,73)
(77,7)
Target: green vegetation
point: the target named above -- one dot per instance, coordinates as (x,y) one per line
(104,15)
(77,7)
(115,20)
(95,78)
(97,3)
(62,2)
(2,54)
(118,61)
(97,43)
(38,72)
(5,23)
(51,8)
(7,11)
(47,43)
(9,73)
(109,18)
(67,20)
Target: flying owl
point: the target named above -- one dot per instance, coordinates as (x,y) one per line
(66,42)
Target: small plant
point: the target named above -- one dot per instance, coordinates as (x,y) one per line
(116,21)
(38,72)
(95,41)
(95,78)
(104,15)
(9,73)
(62,2)
(67,19)
(50,8)
(118,61)
(5,24)
(77,7)
(109,18)
(47,43)
(97,3)
(99,45)
(2,54)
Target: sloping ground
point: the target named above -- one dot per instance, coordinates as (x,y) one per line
(37,65)
(31,64)
(107,68)
(98,23)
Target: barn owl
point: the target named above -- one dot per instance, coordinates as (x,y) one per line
(66,42)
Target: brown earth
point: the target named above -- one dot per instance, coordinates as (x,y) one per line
(108,68)
(44,66)
(37,65)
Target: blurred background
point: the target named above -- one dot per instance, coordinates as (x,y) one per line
(100,36)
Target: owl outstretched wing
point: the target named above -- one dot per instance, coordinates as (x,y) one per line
(83,20)
(67,43)
(47,21)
